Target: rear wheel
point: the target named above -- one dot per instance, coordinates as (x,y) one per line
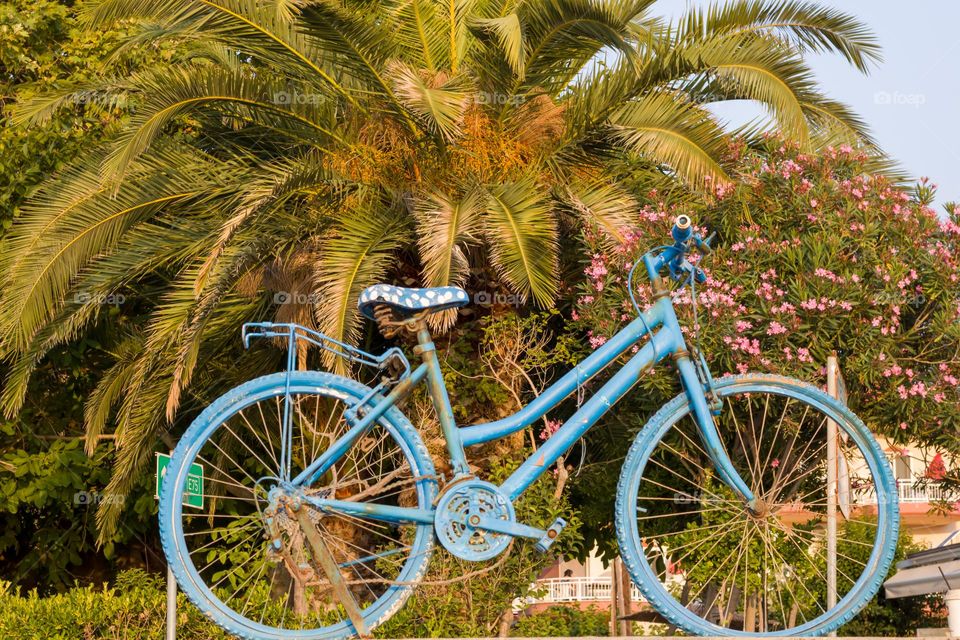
(710,565)
(247,559)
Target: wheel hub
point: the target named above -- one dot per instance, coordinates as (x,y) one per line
(760,508)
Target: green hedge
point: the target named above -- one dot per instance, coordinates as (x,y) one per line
(563,622)
(134,608)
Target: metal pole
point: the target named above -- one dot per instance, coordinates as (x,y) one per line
(171,605)
(171,593)
(832,389)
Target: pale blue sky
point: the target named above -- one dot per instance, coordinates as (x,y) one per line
(911,100)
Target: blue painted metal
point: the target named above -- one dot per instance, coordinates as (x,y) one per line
(550,535)
(662,342)
(441,403)
(475,521)
(708,431)
(295,333)
(511,528)
(668,341)
(374,557)
(372,510)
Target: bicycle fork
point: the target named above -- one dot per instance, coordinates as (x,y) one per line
(709,434)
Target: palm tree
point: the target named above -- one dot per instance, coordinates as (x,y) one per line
(325,145)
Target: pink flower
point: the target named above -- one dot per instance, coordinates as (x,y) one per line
(776,329)
(550,427)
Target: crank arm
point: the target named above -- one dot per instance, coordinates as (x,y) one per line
(496,525)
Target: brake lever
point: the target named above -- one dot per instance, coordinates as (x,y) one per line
(704,244)
(688,271)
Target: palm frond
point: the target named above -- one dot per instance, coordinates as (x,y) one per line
(522,235)
(74,219)
(605,204)
(419,29)
(179,90)
(266,191)
(509,36)
(242,25)
(358,253)
(109,390)
(806,26)
(445,228)
(561,36)
(667,129)
(437,102)
(761,71)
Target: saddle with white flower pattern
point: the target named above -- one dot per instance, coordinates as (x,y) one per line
(409,301)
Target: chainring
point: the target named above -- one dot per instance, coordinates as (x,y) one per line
(457,505)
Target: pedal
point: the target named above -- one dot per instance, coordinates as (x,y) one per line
(551,534)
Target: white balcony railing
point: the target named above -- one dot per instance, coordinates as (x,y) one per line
(555,590)
(907,492)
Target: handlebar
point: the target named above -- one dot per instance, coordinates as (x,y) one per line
(674,257)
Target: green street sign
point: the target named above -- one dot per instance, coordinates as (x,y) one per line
(193,494)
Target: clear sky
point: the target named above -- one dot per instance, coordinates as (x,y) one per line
(911,100)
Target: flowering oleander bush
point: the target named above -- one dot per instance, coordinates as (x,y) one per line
(813,254)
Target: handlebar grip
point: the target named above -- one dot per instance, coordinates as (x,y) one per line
(682,228)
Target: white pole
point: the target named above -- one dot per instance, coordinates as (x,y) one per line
(832,491)
(952,599)
(171,605)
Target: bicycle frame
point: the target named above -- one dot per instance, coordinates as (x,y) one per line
(659,324)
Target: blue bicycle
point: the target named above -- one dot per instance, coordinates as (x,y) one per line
(321,505)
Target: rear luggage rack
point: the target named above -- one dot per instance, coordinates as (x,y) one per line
(392,358)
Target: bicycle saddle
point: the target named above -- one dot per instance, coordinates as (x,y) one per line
(408,301)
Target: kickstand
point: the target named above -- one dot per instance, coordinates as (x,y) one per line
(329,566)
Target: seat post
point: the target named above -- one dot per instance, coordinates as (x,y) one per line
(424,339)
(441,400)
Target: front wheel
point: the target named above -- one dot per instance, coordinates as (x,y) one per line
(711,566)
